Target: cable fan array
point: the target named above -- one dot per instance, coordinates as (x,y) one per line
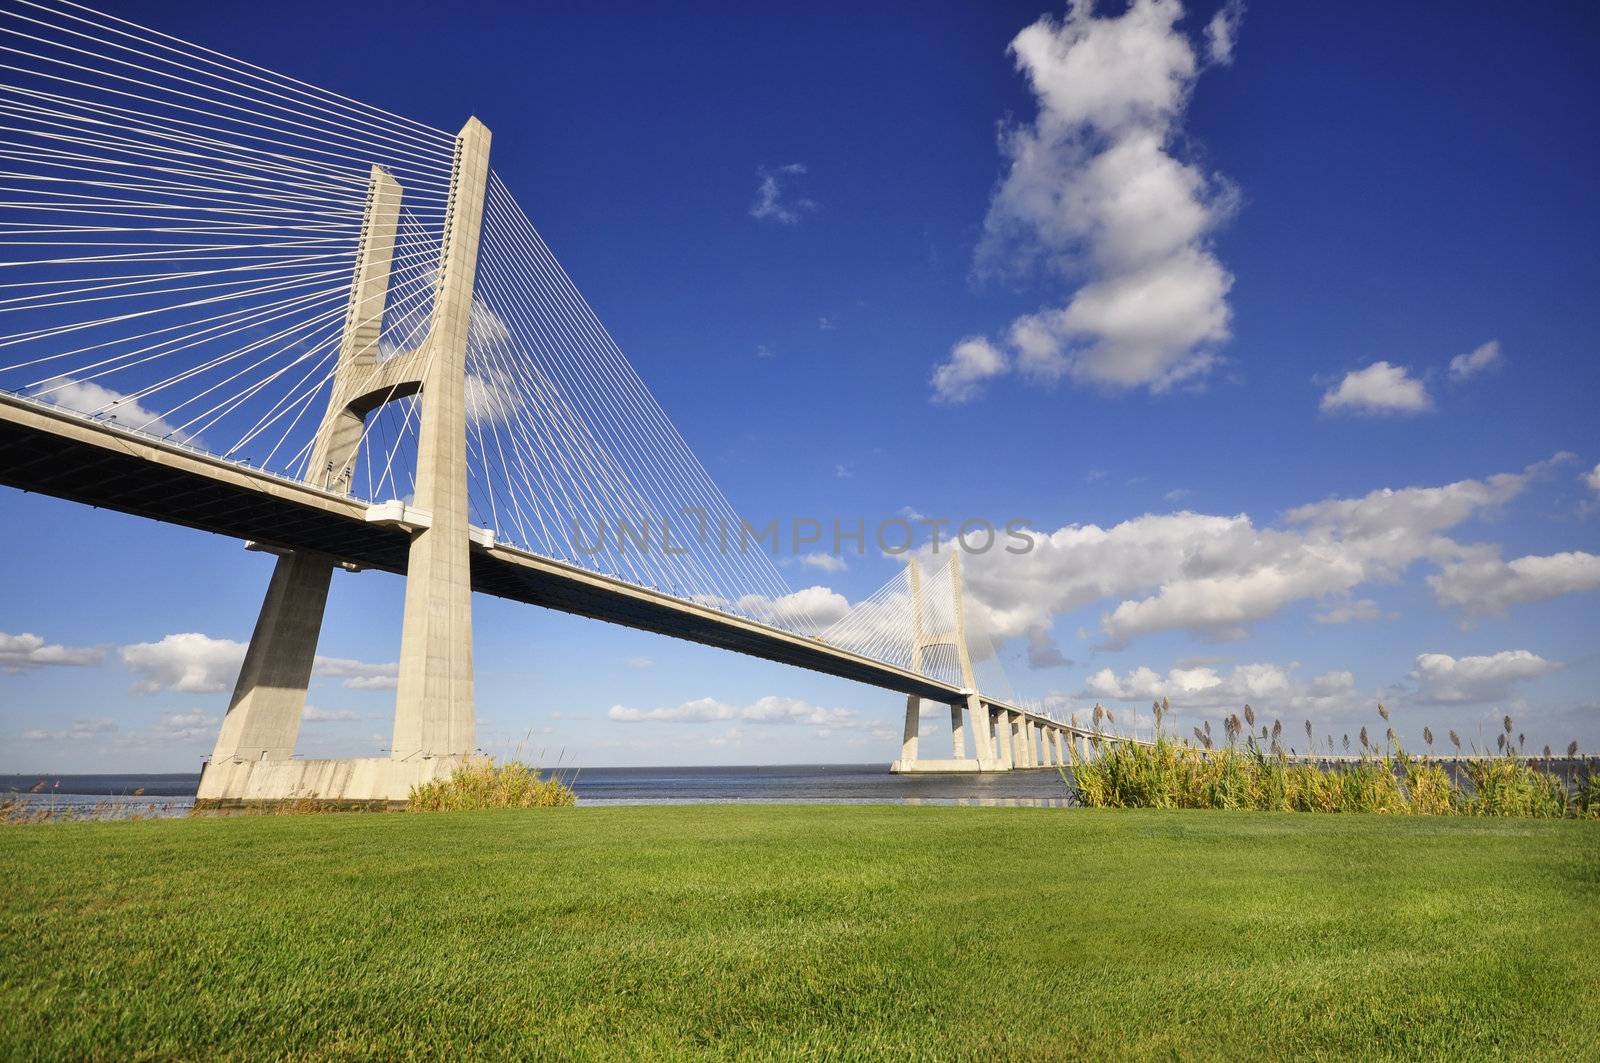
(181,231)
(571,455)
(888,625)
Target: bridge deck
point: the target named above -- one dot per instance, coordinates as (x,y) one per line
(60,453)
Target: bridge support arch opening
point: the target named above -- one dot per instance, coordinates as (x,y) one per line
(435,727)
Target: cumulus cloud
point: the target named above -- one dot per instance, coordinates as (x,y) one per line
(1350,612)
(187,727)
(80,731)
(972,361)
(768,710)
(1481,360)
(1222,32)
(1097,195)
(193,663)
(1195,689)
(189,662)
(1043,651)
(825,561)
(771,202)
(1592,478)
(313,714)
(808,610)
(1214,575)
(1445,679)
(358,675)
(24,652)
(1201,687)
(86,396)
(1380,388)
(1484,585)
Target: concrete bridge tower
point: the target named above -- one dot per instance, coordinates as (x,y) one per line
(434,727)
(954,634)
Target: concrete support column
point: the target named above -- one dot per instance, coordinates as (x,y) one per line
(958,732)
(1052,747)
(434,713)
(1002,737)
(1019,744)
(908,740)
(263,718)
(351,398)
(982,734)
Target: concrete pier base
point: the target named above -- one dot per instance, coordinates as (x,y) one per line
(366,781)
(946,767)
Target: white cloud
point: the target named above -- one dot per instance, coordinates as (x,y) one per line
(1097,195)
(763,351)
(199,664)
(824,560)
(1378,389)
(1592,478)
(768,710)
(85,396)
(1480,360)
(188,662)
(19,653)
(825,324)
(842,472)
(313,714)
(1214,575)
(639,663)
(358,675)
(1202,687)
(80,731)
(1194,690)
(1362,610)
(1043,651)
(1484,585)
(811,609)
(187,727)
(972,361)
(701,710)
(1442,678)
(770,203)
(1222,32)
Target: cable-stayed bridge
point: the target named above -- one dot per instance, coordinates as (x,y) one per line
(234,301)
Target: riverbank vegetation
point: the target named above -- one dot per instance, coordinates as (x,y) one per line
(800,932)
(489,785)
(1260,773)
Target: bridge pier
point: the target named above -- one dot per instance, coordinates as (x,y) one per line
(435,727)
(263,720)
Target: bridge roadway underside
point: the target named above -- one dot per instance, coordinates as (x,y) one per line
(61,454)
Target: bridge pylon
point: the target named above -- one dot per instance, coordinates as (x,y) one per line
(435,724)
(928,632)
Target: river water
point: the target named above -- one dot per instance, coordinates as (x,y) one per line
(784,783)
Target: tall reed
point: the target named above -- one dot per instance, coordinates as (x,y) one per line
(1170,774)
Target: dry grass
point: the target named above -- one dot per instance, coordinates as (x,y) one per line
(510,785)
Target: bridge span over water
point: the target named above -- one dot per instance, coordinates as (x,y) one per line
(239,303)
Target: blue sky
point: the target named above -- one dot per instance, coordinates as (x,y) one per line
(1316,209)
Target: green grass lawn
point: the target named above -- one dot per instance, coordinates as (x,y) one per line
(801,931)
